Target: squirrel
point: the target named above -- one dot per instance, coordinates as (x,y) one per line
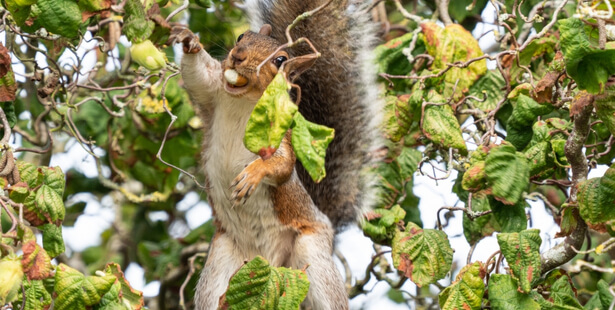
(271,207)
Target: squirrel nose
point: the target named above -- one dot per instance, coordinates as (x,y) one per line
(238,56)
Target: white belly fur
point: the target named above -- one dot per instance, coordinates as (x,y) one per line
(254,225)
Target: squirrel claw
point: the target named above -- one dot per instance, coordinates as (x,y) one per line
(189,40)
(245,183)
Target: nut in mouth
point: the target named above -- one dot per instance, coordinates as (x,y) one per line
(234,79)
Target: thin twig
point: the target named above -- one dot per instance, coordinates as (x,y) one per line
(182,288)
(166,133)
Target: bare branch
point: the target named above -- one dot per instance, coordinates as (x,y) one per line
(565,251)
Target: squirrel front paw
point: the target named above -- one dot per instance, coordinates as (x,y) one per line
(246,182)
(190,41)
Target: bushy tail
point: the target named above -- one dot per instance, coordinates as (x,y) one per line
(339,91)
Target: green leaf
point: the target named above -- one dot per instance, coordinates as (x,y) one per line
(158,257)
(202,233)
(440,124)
(489,84)
(29,174)
(49,204)
(137,27)
(389,184)
(504,295)
(310,143)
(605,109)
(559,152)
(393,176)
(41,193)
(508,173)
(54,178)
(545,151)
(271,118)
(61,17)
(509,218)
(257,285)
(9,111)
(382,223)
(596,198)
(477,229)
(37,297)
(11,276)
(504,218)
(451,44)
(522,251)
(410,204)
(5,221)
(525,113)
(586,63)
(25,233)
(518,136)
(128,295)
(20,13)
(53,242)
(474,179)
(467,290)
(94,5)
(390,55)
(561,295)
(460,9)
(111,300)
(422,255)
(76,291)
(398,116)
(602,299)
(535,50)
(408,161)
(539,158)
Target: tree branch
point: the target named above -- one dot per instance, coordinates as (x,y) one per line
(565,251)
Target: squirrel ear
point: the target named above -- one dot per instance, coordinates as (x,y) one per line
(295,66)
(265,30)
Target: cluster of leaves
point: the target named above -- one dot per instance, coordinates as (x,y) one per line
(530,128)
(274,114)
(39,198)
(92,92)
(256,285)
(543,97)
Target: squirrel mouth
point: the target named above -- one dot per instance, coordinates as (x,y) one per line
(235,83)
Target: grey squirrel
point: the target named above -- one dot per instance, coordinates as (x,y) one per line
(271,207)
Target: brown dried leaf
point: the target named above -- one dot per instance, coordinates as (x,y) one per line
(543,91)
(35,262)
(5,61)
(8,87)
(51,83)
(569,220)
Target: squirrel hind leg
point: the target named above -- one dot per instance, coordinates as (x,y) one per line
(327,290)
(222,262)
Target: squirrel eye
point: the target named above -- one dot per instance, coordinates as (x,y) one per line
(239,37)
(279,60)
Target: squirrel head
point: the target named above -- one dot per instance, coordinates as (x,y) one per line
(240,66)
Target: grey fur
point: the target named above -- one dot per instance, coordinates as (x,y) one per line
(339,91)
